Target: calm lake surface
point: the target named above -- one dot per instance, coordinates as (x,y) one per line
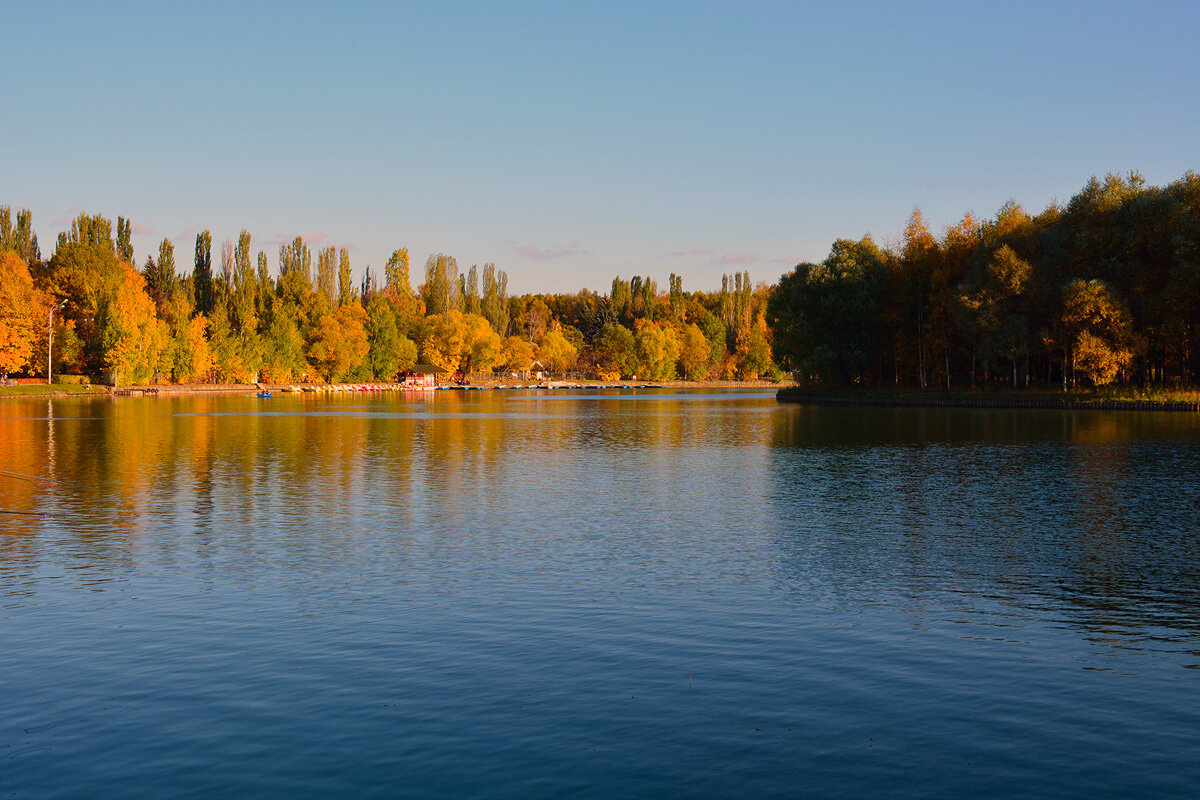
(585,594)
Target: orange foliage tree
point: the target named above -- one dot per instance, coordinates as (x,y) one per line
(22,307)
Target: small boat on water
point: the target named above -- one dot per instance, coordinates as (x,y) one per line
(263,395)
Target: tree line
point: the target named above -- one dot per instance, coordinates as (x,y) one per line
(232,319)
(1105,289)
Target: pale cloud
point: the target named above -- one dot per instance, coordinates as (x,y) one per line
(186,236)
(739,258)
(695,251)
(312,239)
(287,238)
(538,253)
(69,216)
(142,229)
(790,262)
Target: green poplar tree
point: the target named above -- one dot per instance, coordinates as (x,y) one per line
(494,305)
(346,294)
(124,245)
(202,277)
(327,274)
(165,279)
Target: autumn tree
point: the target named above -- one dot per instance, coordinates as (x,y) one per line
(516,355)
(1097,324)
(283,351)
(188,356)
(295,262)
(407,306)
(657,350)
(440,289)
(83,269)
(19,237)
(917,259)
(396,277)
(694,353)
(458,342)
(556,352)
(132,336)
(616,352)
(23,309)
(989,307)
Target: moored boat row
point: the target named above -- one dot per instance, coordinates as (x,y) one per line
(463,387)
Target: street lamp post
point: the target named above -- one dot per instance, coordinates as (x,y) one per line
(50,339)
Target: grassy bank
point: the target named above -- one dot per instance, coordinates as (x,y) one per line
(46,390)
(1131,398)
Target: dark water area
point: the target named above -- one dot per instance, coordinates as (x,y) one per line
(636,594)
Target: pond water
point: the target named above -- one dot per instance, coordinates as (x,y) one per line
(577,594)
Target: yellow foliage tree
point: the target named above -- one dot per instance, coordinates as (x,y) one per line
(132,337)
(556,352)
(352,319)
(694,353)
(657,350)
(442,340)
(192,358)
(338,344)
(460,342)
(516,354)
(1098,325)
(481,344)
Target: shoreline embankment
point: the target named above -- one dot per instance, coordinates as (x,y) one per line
(58,391)
(801,397)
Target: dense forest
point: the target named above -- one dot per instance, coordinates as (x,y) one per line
(1103,290)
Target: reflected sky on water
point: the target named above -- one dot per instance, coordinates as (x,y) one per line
(588,594)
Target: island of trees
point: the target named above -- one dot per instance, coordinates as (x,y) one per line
(1103,290)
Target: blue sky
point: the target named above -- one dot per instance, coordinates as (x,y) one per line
(569,142)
